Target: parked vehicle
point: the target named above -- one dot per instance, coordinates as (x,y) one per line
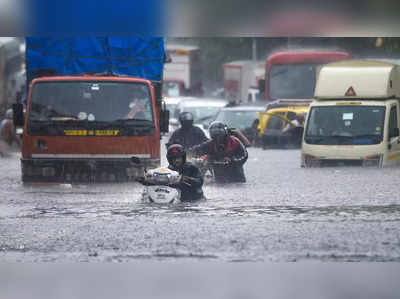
(204,110)
(292,74)
(354,119)
(11,72)
(170,104)
(241,79)
(243,118)
(272,125)
(182,74)
(81,127)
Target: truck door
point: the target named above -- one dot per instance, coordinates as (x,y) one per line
(393,136)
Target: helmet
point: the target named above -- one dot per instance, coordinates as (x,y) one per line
(218,129)
(175,151)
(186,119)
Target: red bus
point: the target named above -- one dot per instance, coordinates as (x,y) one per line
(292,74)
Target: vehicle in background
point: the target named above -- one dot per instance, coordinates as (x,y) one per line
(274,122)
(86,128)
(243,118)
(355,120)
(11,72)
(292,75)
(182,74)
(217,93)
(204,110)
(254,96)
(170,104)
(239,77)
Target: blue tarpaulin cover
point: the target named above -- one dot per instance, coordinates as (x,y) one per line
(141,57)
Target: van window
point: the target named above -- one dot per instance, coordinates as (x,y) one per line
(393,118)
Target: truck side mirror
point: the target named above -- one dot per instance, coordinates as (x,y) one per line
(164,121)
(394,132)
(18,115)
(158,91)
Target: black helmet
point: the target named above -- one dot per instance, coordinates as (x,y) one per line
(218,129)
(175,151)
(186,118)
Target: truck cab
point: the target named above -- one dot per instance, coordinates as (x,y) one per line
(87,128)
(354,118)
(292,74)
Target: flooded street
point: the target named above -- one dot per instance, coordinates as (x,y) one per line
(283,213)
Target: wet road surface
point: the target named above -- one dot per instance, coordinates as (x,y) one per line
(283,213)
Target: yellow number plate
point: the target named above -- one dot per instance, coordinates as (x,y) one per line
(107,132)
(75,132)
(91,132)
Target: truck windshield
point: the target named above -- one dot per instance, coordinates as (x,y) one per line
(292,81)
(92,101)
(345,125)
(89,104)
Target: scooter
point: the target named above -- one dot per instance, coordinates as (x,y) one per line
(158,185)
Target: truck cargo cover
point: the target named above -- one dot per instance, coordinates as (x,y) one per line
(358,79)
(141,57)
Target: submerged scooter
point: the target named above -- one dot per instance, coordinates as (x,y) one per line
(158,185)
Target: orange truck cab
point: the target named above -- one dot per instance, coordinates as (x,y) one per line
(87,128)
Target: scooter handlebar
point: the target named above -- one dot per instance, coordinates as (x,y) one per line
(221,163)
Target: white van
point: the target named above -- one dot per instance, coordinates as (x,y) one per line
(354,118)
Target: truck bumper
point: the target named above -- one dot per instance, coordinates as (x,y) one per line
(83,170)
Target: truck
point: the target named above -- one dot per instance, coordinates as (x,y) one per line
(355,116)
(241,81)
(292,74)
(290,78)
(238,77)
(182,73)
(11,72)
(92,105)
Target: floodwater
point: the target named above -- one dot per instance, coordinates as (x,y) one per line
(283,213)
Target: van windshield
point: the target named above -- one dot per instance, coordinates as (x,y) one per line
(292,81)
(345,125)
